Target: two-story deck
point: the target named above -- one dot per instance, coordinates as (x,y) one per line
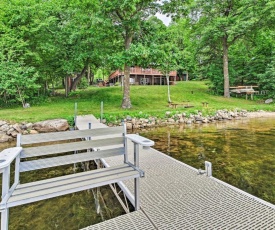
(144,76)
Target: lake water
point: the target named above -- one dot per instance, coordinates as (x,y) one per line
(242,152)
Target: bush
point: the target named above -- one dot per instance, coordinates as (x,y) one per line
(70,120)
(74,94)
(83,84)
(267,80)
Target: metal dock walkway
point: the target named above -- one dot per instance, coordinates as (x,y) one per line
(174,196)
(82,122)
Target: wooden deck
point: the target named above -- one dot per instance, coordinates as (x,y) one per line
(174,196)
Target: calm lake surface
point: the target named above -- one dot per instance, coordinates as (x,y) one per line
(242,152)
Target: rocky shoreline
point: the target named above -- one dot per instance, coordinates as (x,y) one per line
(182,118)
(8,131)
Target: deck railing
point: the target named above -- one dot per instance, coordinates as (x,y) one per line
(141,71)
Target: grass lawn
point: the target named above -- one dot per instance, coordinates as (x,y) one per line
(148,99)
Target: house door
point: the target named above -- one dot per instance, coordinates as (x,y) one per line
(144,81)
(163,81)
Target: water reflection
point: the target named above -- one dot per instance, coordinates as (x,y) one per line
(6,145)
(242,152)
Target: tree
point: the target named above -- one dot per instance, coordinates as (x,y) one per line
(267,80)
(155,47)
(59,38)
(127,17)
(163,50)
(249,57)
(17,81)
(182,38)
(222,23)
(72,39)
(219,25)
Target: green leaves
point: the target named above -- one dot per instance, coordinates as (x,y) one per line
(267,80)
(17,81)
(59,38)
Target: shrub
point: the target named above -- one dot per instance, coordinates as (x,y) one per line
(83,84)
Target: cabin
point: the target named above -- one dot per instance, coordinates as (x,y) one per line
(144,76)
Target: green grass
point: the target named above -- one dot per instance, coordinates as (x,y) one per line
(147,99)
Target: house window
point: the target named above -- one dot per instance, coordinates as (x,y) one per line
(132,81)
(144,81)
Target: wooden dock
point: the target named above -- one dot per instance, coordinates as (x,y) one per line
(174,196)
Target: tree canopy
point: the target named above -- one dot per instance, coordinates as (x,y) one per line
(44,42)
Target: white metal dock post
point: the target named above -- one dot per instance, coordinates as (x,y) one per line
(208,168)
(125,141)
(5,190)
(136,163)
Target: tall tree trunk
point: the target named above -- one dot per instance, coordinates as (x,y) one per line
(92,77)
(5,97)
(21,97)
(168,87)
(89,75)
(78,78)
(126,102)
(66,85)
(225,67)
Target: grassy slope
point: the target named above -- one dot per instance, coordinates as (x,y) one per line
(148,99)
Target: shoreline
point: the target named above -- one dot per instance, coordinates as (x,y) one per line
(141,123)
(260,114)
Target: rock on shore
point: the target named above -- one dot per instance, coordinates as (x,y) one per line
(8,131)
(182,118)
(55,125)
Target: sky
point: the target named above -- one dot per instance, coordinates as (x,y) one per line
(166,20)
